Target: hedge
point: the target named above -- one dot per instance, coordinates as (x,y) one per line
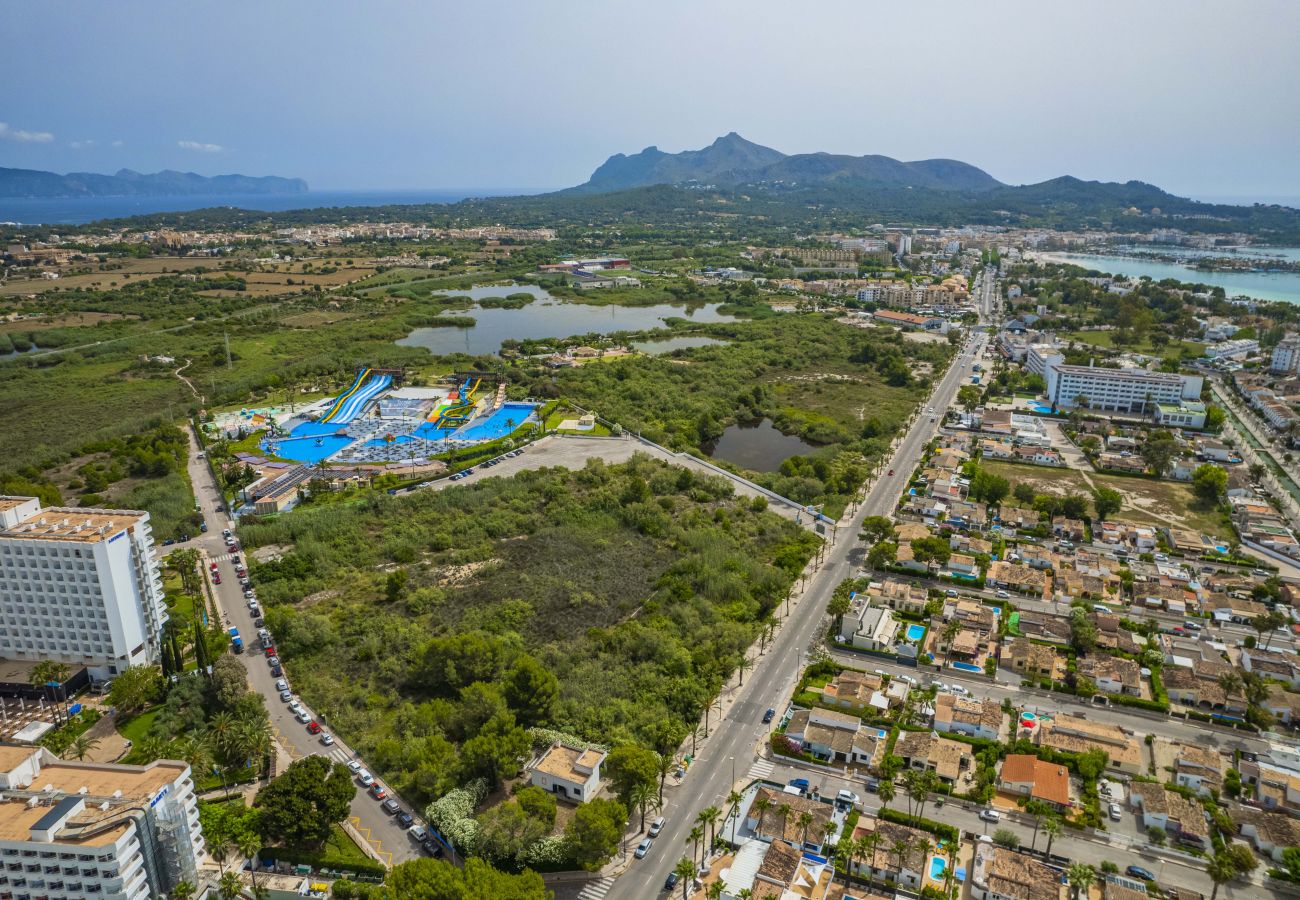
(898,817)
(318,861)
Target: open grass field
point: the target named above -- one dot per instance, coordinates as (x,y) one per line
(1145,500)
(1106,340)
(66,320)
(262,280)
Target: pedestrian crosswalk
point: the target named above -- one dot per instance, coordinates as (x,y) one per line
(761,770)
(596,889)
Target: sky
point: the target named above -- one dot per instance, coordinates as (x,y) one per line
(1196,96)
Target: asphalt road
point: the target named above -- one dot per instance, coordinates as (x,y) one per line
(388,838)
(727,756)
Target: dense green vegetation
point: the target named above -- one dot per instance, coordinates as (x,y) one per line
(845,388)
(427,628)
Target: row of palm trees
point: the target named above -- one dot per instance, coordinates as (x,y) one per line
(803,821)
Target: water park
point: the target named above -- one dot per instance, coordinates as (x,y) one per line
(378,420)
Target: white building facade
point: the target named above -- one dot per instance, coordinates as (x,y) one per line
(1133,391)
(78,586)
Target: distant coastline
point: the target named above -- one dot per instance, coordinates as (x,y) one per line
(80,210)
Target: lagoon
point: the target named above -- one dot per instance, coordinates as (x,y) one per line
(546,317)
(1283,286)
(668,345)
(758,446)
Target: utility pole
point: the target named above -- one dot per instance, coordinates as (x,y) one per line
(229,363)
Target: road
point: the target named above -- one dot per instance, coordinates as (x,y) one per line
(386,836)
(725,758)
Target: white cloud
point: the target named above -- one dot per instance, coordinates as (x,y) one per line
(116,144)
(81,145)
(26,137)
(200,147)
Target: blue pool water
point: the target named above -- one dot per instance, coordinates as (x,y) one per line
(965,667)
(997,610)
(1042,409)
(938,865)
(506,419)
(915,632)
(306,449)
(964,576)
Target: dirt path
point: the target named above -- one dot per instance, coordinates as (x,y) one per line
(189,384)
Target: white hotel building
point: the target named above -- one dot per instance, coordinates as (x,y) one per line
(79,586)
(73,830)
(1134,391)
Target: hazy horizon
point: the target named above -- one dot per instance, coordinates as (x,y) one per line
(402,97)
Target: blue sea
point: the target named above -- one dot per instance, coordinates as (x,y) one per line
(78,211)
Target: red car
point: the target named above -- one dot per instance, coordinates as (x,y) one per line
(216,578)
(377,791)
(241,572)
(270,651)
(313,728)
(212,566)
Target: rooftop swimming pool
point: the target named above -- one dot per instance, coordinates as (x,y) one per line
(915,632)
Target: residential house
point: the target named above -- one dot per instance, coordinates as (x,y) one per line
(968,716)
(1031,660)
(927,751)
(1184,686)
(1199,768)
(1028,776)
(1112,674)
(1272,664)
(876,629)
(1237,610)
(1283,704)
(783,871)
(1182,819)
(1037,557)
(1074,734)
(773,827)
(1069,529)
(569,772)
(962,564)
(1271,833)
(1021,579)
(885,863)
(1002,874)
(900,596)
(832,736)
(1045,626)
(853,692)
(905,558)
(1071,585)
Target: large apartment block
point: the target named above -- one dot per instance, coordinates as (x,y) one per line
(80,586)
(71,830)
(1136,391)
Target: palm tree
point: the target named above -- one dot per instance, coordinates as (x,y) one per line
(1051,828)
(783,813)
(804,821)
(885,792)
(762,803)
(711,816)
(250,846)
(1035,809)
(745,894)
(1221,868)
(950,631)
(1081,876)
(644,797)
(903,845)
(733,805)
(828,828)
(665,762)
(685,870)
(741,665)
(183,891)
(196,749)
(696,835)
(1230,682)
(870,845)
(221,729)
(81,746)
(714,891)
(230,887)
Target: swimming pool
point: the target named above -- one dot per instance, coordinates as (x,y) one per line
(505,420)
(308,449)
(1042,409)
(965,667)
(915,632)
(938,865)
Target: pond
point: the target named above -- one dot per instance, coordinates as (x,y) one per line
(757,445)
(685,342)
(546,317)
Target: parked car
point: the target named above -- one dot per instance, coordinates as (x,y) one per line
(1140,873)
(671,881)
(656,826)
(418,833)
(303,716)
(327,739)
(800,783)
(276,671)
(846,798)
(286,696)
(644,847)
(354,766)
(377,790)
(273,661)
(990,815)
(259,622)
(404,818)
(1115,812)
(430,847)
(391,806)
(282,685)
(313,728)
(769,715)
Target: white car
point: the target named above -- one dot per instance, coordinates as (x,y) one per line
(354,766)
(990,815)
(365,777)
(295,707)
(326,738)
(303,716)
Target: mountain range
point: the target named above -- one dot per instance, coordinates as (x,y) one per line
(33,183)
(731,161)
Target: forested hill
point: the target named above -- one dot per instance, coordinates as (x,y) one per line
(731,160)
(33,183)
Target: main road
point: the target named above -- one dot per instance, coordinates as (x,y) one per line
(727,754)
(389,840)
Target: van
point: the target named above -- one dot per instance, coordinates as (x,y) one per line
(365,777)
(657,826)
